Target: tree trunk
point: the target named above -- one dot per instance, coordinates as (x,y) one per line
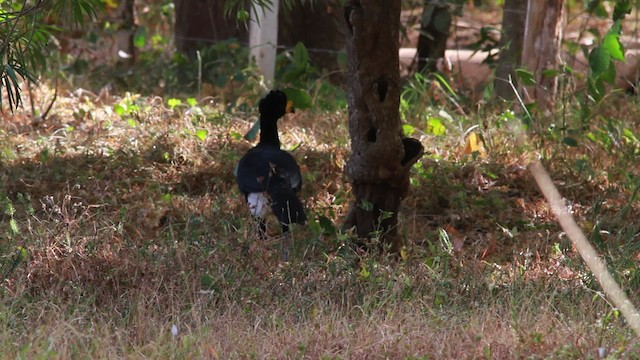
(434,32)
(199,23)
(380,158)
(542,40)
(123,18)
(514,14)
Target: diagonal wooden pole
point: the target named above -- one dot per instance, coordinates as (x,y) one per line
(588,253)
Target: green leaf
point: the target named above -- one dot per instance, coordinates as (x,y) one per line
(616,28)
(119,109)
(597,8)
(610,75)
(22,253)
(132,123)
(13,225)
(13,87)
(166,198)
(140,37)
(408,129)
(366,205)
(173,103)
(192,102)
(326,225)
(567,69)
(252,134)
(444,83)
(235,135)
(207,281)
(526,77)
(435,127)
(12,75)
(548,73)
(599,60)
(613,46)
(201,134)
(622,8)
(8,207)
(301,99)
(630,136)
(570,141)
(364,273)
(596,88)
(300,54)
(242,15)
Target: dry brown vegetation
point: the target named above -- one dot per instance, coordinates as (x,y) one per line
(123,234)
(132,224)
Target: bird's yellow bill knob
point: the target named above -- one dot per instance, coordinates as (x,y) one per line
(289,109)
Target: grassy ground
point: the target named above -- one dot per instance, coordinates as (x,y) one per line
(130,239)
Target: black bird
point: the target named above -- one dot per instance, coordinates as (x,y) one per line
(269,176)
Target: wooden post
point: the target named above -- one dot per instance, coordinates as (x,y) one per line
(263,39)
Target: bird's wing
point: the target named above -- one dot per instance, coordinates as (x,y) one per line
(262,168)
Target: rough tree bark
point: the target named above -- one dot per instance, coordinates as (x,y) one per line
(434,32)
(381,157)
(200,23)
(542,40)
(514,14)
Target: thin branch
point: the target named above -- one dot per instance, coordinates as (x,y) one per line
(43,117)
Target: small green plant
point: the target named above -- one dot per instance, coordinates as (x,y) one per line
(222,67)
(11,255)
(294,67)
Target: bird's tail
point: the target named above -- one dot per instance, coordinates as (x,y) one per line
(287,207)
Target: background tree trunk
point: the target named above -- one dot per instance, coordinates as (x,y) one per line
(542,40)
(124,16)
(434,32)
(199,23)
(514,14)
(320,27)
(380,157)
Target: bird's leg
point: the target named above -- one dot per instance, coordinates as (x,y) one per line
(285,243)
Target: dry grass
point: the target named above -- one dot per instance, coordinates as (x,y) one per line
(133,224)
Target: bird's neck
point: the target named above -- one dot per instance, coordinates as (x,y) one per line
(269,132)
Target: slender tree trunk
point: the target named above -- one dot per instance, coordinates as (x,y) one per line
(434,32)
(200,23)
(381,157)
(514,14)
(542,40)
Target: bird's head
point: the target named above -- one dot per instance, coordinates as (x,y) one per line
(275,105)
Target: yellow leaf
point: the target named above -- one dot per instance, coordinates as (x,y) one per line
(111,4)
(474,144)
(403,253)
(364,273)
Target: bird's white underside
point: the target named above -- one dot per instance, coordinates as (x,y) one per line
(258,204)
